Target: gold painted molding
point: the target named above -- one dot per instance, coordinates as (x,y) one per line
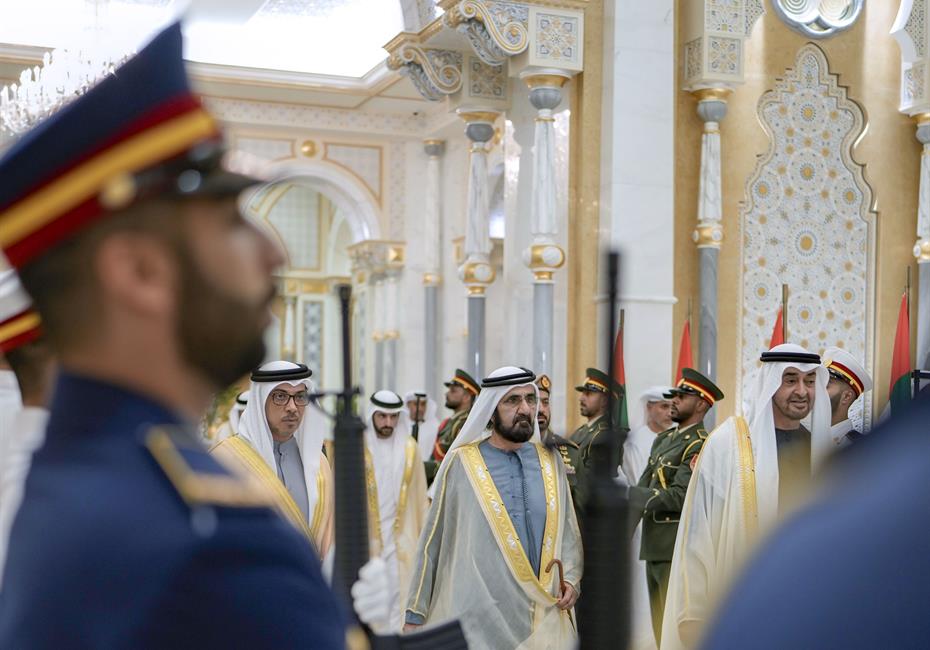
(712,94)
(584,208)
(545,80)
(489,117)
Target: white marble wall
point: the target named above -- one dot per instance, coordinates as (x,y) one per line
(637,182)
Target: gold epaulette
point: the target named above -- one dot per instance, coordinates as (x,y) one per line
(200,488)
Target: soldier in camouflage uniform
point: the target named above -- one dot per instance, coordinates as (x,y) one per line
(569,451)
(463,390)
(660,493)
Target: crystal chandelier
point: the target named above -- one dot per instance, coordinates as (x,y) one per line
(64,75)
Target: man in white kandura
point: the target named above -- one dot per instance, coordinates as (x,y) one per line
(849,380)
(496,568)
(280,443)
(753,469)
(420,406)
(397,494)
(656,410)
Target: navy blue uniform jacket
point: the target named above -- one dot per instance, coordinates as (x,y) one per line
(108,551)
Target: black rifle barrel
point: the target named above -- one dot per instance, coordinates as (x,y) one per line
(351,516)
(603,609)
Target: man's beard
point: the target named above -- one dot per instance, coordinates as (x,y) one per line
(452,405)
(520,430)
(543,423)
(384,432)
(220,335)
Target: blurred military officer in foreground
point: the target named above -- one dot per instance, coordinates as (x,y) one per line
(850,570)
(154,292)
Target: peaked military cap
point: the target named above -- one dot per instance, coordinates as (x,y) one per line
(845,367)
(466,381)
(694,383)
(138,133)
(544,383)
(596,380)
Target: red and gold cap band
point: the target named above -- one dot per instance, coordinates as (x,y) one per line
(597,383)
(848,375)
(697,388)
(19,330)
(68,201)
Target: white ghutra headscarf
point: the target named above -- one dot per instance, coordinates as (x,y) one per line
(761,419)
(429,427)
(476,427)
(388,455)
(253,425)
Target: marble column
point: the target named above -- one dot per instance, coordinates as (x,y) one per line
(922,246)
(378,335)
(289,347)
(432,244)
(392,333)
(477,273)
(544,256)
(711,108)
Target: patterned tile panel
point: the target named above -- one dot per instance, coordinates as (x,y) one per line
(694,58)
(557,39)
(312,335)
(724,16)
(805,218)
(916,27)
(294,214)
(486,81)
(724,55)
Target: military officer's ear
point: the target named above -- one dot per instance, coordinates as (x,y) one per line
(702,406)
(847,397)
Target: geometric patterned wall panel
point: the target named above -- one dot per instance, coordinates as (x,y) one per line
(295,216)
(806,219)
(312,335)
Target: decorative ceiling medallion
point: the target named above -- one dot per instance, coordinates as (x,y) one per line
(818,18)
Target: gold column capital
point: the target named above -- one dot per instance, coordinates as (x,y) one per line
(476,275)
(543,259)
(708,234)
(547,79)
(432,279)
(712,94)
(479,116)
(922,251)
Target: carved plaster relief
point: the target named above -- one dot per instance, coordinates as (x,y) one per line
(807,219)
(818,18)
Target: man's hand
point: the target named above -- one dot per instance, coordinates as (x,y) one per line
(569,596)
(411,627)
(370,594)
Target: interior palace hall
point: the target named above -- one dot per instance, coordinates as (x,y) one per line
(465,166)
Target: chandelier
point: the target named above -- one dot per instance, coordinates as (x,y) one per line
(94,51)
(64,75)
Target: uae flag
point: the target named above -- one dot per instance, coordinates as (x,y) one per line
(900,390)
(685,358)
(778,332)
(621,419)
